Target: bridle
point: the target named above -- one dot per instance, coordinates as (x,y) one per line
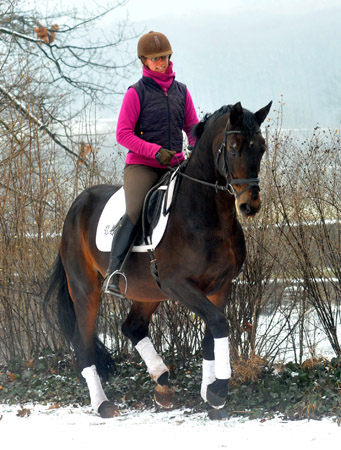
(224,169)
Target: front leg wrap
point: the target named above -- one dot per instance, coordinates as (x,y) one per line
(155,365)
(222,358)
(216,374)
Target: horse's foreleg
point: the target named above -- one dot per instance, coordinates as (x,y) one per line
(136,329)
(214,318)
(208,366)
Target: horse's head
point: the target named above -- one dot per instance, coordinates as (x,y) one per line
(238,155)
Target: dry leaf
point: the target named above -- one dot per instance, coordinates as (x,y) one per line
(54,406)
(24,412)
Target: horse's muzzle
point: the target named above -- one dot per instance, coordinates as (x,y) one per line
(250,202)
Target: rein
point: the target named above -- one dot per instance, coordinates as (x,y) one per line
(228,187)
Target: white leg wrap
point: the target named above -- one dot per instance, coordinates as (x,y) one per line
(222,358)
(155,365)
(97,395)
(208,377)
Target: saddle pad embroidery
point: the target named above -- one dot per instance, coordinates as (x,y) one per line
(115,209)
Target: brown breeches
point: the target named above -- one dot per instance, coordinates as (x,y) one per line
(138,180)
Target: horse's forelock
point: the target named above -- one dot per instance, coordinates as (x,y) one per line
(250,124)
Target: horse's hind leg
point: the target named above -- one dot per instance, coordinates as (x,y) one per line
(136,329)
(86,295)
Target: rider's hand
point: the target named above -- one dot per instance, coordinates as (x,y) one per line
(164,156)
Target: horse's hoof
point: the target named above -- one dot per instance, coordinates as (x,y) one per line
(163,396)
(107,410)
(217,414)
(216,393)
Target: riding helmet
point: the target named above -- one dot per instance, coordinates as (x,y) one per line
(153,44)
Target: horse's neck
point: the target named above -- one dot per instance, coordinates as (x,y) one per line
(201,165)
(209,205)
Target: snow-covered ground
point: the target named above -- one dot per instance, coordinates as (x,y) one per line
(79,428)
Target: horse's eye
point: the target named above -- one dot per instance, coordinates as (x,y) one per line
(233,150)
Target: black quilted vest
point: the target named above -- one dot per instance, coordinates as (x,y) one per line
(162,115)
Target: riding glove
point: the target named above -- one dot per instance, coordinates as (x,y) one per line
(164,156)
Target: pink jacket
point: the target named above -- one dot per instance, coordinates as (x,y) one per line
(143,152)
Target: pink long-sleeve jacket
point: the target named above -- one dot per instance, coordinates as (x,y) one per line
(141,151)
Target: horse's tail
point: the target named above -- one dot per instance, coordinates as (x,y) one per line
(63,310)
(67,319)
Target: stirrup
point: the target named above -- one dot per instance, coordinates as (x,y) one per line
(118,293)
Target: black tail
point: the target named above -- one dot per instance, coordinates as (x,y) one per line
(67,320)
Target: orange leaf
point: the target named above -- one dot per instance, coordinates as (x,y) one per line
(11,376)
(54,406)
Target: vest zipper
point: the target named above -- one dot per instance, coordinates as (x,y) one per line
(168,108)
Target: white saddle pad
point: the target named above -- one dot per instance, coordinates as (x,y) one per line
(115,208)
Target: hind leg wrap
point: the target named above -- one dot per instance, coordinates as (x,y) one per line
(97,395)
(155,365)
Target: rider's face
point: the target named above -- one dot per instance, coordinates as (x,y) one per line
(159,64)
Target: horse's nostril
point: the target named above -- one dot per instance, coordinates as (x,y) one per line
(245,208)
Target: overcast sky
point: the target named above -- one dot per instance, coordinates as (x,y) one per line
(151,9)
(244,50)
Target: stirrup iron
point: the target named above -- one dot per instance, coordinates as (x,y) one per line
(119,294)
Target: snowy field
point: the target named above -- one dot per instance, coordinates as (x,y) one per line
(38,427)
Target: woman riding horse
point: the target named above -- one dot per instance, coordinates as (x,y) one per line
(154,112)
(196,265)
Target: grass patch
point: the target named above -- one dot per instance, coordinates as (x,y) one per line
(310,391)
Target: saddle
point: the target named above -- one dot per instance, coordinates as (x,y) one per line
(156,203)
(154,217)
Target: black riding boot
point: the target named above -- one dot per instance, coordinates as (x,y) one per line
(124,236)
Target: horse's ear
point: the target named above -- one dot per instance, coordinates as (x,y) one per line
(262,113)
(236,115)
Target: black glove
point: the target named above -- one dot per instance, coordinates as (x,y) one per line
(164,156)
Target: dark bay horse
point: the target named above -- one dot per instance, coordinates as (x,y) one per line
(201,252)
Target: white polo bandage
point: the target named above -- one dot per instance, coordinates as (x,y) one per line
(97,395)
(208,377)
(155,365)
(222,358)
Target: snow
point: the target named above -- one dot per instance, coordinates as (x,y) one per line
(79,428)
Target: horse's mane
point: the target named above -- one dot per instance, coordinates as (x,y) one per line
(199,128)
(250,124)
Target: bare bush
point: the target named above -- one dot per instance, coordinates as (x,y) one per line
(43,164)
(286,300)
